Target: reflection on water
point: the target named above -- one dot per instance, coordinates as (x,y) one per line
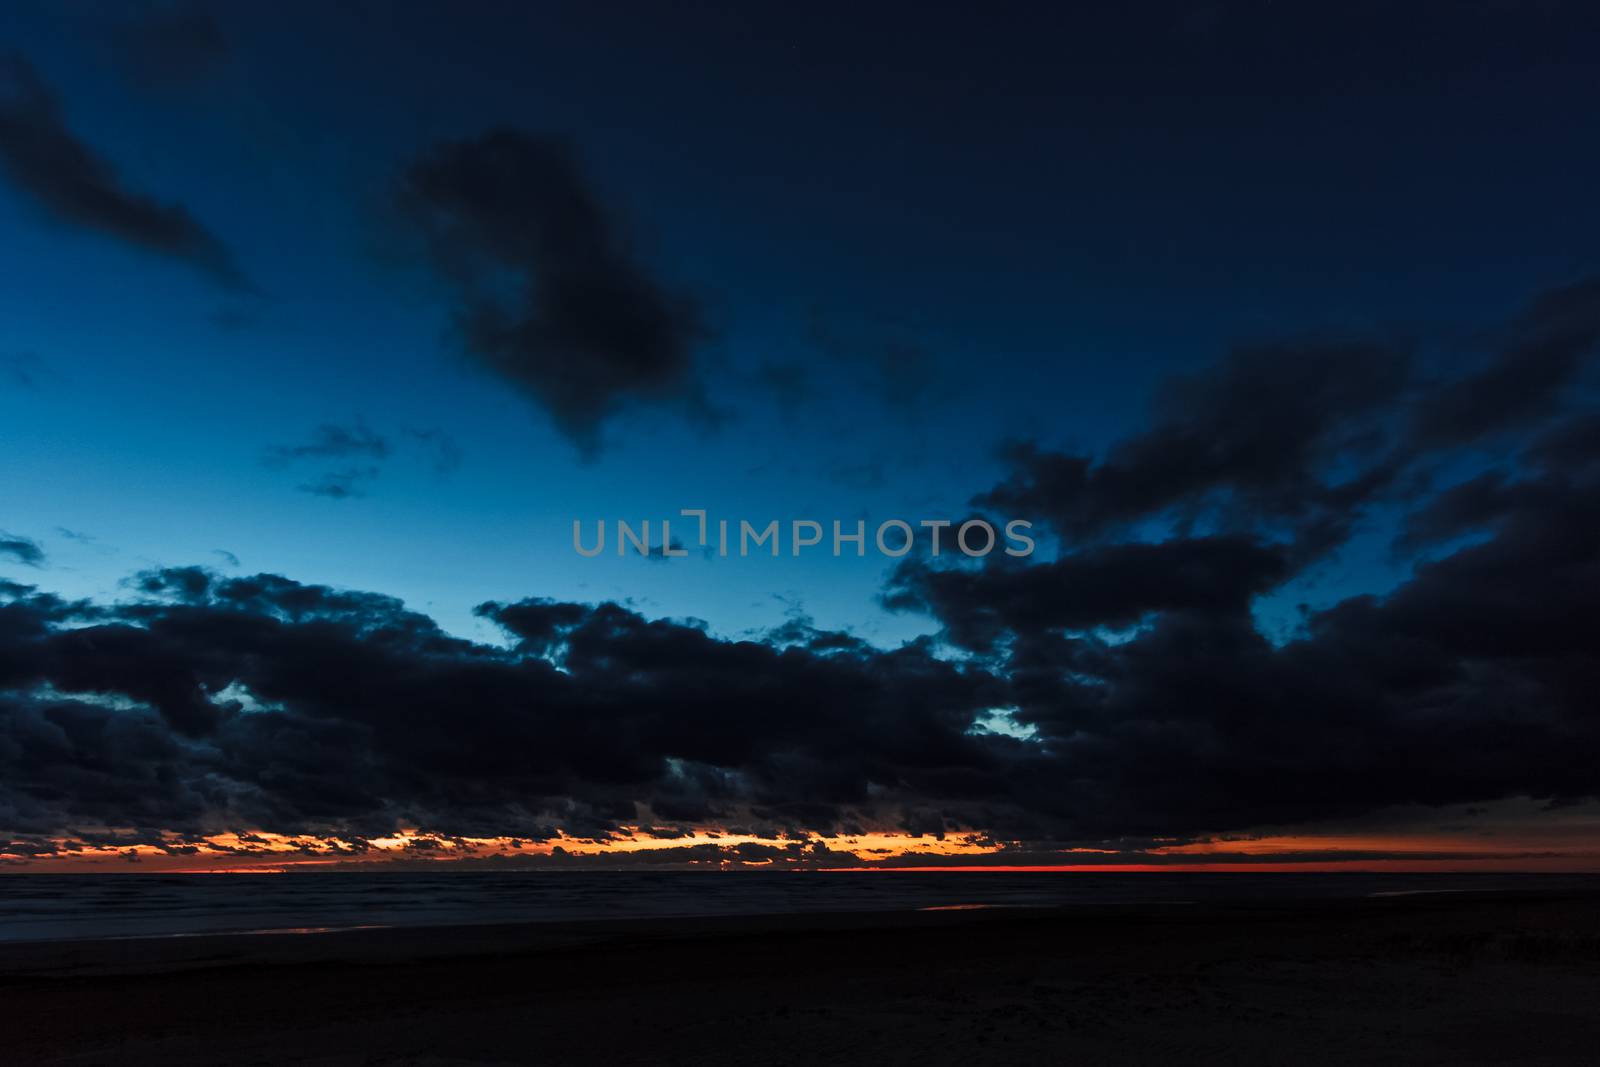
(202,933)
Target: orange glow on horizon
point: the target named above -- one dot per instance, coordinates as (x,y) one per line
(262,852)
(708,848)
(1579,864)
(1371,842)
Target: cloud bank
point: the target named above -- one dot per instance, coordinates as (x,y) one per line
(1141,699)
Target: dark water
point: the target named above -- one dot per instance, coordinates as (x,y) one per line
(46,907)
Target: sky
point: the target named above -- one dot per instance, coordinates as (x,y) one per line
(323,324)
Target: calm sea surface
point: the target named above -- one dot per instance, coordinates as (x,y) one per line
(45,907)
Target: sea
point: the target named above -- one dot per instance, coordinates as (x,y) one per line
(52,907)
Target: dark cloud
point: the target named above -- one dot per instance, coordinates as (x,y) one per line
(1471,505)
(1297,441)
(1572,445)
(1286,434)
(1138,664)
(1112,585)
(175,47)
(21,549)
(1524,383)
(1467,683)
(75,184)
(258,702)
(552,297)
(266,704)
(365,453)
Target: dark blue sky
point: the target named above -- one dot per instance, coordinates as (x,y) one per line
(913,235)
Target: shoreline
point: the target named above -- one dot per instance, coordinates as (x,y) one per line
(400,941)
(1462,978)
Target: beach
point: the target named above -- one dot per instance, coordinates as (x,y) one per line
(1494,977)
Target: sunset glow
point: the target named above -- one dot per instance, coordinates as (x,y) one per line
(262,852)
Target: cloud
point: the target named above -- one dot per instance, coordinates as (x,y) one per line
(1548,345)
(552,299)
(1299,440)
(1286,433)
(207,702)
(1464,684)
(364,715)
(75,184)
(333,441)
(1107,586)
(21,549)
(365,452)
(87,540)
(1133,654)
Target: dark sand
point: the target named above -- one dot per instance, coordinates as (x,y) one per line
(1451,979)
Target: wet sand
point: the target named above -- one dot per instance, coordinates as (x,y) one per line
(1450,978)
